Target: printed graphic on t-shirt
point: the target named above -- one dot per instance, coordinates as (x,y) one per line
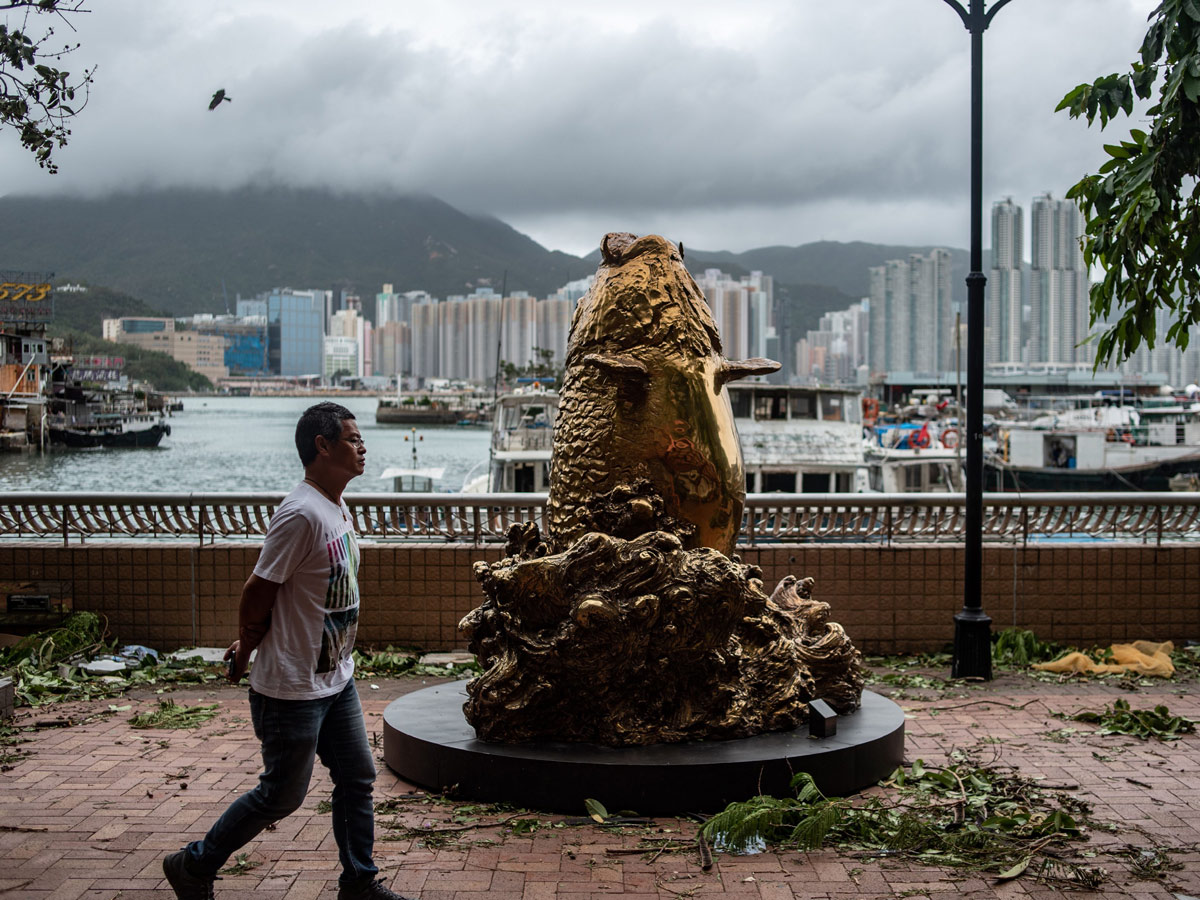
(343,574)
(341,603)
(340,627)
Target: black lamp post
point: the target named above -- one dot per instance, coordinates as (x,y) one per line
(972,626)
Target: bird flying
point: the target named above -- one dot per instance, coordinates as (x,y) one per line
(218,98)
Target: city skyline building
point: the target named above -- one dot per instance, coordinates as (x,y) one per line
(392,349)
(203,353)
(296,330)
(341,358)
(245,340)
(839,346)
(932,345)
(349,323)
(1058,283)
(890,307)
(743,310)
(1005,301)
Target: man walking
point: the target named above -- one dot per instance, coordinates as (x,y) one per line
(300,610)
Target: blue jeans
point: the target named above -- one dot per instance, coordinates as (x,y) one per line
(293,734)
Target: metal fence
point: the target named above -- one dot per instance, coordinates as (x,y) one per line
(485,518)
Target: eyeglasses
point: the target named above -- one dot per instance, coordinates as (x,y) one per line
(355,442)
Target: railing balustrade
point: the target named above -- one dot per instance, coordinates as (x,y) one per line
(485,518)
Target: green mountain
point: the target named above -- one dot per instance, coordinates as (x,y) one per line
(186,251)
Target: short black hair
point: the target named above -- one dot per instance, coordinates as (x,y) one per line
(323,419)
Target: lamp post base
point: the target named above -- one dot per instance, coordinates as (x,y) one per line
(972,645)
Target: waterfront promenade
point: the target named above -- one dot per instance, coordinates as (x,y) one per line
(94,805)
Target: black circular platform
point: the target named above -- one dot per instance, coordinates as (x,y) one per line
(428,742)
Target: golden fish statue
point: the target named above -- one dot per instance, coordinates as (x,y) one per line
(643,397)
(632,621)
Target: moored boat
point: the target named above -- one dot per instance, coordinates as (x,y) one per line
(799,439)
(522,436)
(1100,448)
(918,457)
(452,407)
(107,434)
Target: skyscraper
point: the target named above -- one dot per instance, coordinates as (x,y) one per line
(1058,283)
(741,310)
(932,339)
(911,314)
(1005,299)
(296,330)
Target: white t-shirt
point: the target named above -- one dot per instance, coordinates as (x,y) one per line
(311,551)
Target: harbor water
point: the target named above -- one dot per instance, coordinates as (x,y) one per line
(245,444)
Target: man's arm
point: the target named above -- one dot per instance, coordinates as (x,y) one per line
(254,619)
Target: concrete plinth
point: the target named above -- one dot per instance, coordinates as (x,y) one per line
(427,741)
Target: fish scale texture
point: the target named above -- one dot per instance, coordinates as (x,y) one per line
(644,309)
(582,433)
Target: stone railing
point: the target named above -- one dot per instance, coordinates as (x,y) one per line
(1151,518)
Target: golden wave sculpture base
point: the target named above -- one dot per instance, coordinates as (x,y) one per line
(632,622)
(635,639)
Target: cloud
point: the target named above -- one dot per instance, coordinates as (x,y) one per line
(775,122)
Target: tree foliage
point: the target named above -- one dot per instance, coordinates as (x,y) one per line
(86,310)
(544,367)
(37,98)
(1143,205)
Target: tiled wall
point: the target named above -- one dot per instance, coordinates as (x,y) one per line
(897,599)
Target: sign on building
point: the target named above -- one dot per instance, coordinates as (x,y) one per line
(97,368)
(26,297)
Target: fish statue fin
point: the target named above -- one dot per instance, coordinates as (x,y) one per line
(624,369)
(732,370)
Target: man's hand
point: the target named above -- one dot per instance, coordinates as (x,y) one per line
(238,662)
(254,620)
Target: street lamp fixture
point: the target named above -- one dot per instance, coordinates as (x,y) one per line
(972,626)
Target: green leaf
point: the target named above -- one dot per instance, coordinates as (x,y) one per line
(595,809)
(1009,874)
(1191,87)
(1071,99)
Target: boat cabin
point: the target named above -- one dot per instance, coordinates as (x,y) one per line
(413,481)
(799,439)
(522,438)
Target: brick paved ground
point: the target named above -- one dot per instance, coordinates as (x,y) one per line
(93,808)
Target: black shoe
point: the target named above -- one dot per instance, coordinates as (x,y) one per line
(373,889)
(186,885)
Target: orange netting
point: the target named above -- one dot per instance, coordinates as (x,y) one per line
(1140,658)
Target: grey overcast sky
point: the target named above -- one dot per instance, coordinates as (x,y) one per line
(727,125)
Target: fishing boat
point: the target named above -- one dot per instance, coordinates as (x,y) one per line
(923,457)
(1103,445)
(434,407)
(106,431)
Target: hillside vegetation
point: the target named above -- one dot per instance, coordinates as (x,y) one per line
(85,311)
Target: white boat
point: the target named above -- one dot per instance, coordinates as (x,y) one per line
(522,437)
(800,439)
(413,481)
(1100,445)
(922,457)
